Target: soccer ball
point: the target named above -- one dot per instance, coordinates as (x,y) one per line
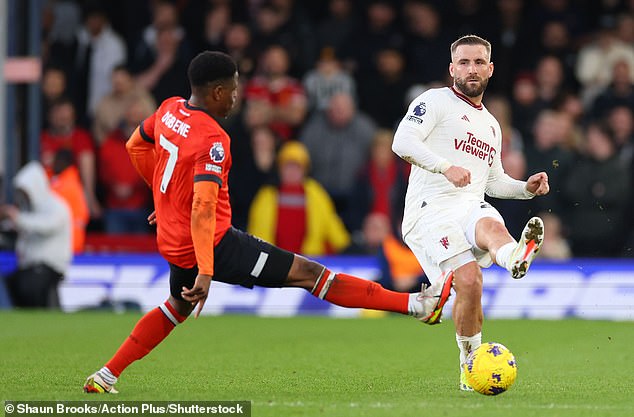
(491,369)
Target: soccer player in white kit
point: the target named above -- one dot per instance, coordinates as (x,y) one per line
(454,146)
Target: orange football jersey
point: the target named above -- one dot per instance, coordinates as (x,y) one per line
(190,146)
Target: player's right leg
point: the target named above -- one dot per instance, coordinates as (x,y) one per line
(149,331)
(516,257)
(527,248)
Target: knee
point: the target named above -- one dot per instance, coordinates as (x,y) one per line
(182,307)
(468,281)
(304,273)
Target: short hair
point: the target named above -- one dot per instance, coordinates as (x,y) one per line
(471,40)
(210,67)
(121,67)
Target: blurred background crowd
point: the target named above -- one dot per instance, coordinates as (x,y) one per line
(323,86)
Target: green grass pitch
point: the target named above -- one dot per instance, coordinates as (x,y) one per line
(314,366)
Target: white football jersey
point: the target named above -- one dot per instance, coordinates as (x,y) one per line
(443,128)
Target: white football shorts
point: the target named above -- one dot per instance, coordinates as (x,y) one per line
(444,231)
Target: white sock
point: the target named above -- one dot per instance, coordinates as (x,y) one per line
(503,255)
(466,344)
(107,376)
(414,308)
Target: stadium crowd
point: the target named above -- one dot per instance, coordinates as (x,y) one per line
(333,78)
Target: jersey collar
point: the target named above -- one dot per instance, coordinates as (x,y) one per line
(191,107)
(466,99)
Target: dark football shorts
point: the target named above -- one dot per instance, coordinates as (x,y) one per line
(239,259)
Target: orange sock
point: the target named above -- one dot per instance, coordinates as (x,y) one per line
(148,332)
(348,291)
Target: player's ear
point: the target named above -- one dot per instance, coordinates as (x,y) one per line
(451,69)
(217,92)
(491,68)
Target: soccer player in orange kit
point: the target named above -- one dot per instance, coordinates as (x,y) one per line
(183,154)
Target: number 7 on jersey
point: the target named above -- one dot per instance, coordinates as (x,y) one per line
(171,161)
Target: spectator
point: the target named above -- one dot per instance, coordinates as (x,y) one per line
(66,183)
(596,60)
(99,50)
(283,22)
(625,28)
(425,39)
(524,105)
(469,16)
(63,133)
(217,20)
(338,141)
(400,270)
(337,29)
(311,225)
(161,56)
(381,184)
(551,82)
(109,114)
(597,191)
(273,98)
(43,246)
(238,46)
(325,80)
(621,121)
(53,89)
(381,92)
(379,31)
(547,153)
(620,92)
(509,36)
(556,41)
(252,169)
(61,21)
(571,105)
(127,195)
(555,245)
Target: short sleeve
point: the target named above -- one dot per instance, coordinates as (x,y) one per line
(147,128)
(211,160)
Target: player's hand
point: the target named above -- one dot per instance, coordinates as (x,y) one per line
(458,176)
(151,219)
(197,295)
(538,184)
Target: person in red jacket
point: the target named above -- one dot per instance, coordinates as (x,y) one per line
(63,133)
(126,194)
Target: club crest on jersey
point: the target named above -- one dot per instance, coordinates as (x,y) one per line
(421,109)
(217,152)
(444,241)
